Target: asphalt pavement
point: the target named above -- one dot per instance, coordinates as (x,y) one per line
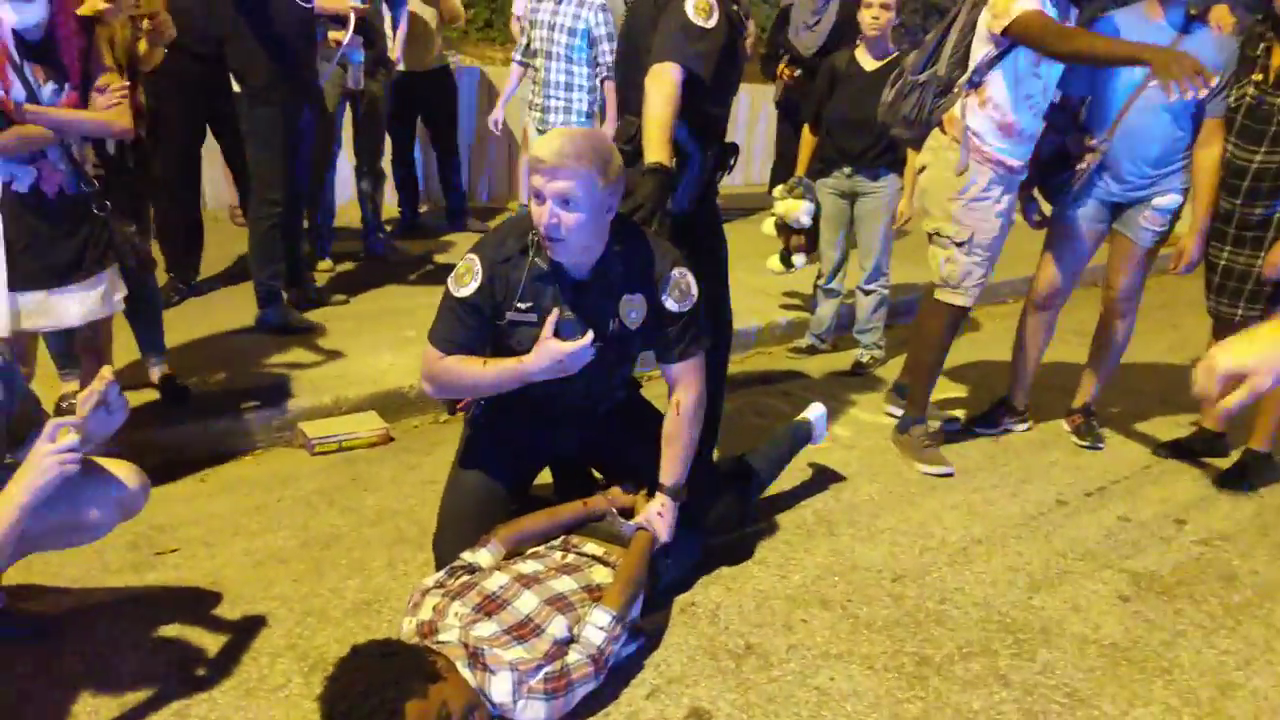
(1042,581)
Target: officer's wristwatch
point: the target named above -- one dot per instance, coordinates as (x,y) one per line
(675,493)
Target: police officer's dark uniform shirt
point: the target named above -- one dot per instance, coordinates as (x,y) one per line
(639,297)
(705,37)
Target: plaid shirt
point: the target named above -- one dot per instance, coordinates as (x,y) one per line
(527,632)
(1246,222)
(569,45)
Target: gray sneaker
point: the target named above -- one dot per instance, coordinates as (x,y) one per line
(922,447)
(895,406)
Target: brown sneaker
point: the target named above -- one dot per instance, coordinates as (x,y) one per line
(922,447)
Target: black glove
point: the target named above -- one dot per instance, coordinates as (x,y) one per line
(647,203)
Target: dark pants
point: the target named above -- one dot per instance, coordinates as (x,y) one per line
(699,236)
(499,458)
(368,146)
(278,131)
(186,94)
(786,142)
(432,97)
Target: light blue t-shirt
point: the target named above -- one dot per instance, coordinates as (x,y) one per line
(1150,154)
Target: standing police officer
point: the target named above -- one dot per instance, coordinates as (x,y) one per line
(540,331)
(679,65)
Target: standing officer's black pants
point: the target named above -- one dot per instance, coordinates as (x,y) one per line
(700,238)
(500,457)
(186,94)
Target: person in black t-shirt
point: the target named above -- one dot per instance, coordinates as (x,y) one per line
(862,194)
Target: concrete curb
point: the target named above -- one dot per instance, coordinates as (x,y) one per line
(198,443)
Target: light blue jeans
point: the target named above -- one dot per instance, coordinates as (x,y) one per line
(856,209)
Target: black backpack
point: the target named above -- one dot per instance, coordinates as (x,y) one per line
(935,75)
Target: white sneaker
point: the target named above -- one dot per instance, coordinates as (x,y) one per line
(816,414)
(775,266)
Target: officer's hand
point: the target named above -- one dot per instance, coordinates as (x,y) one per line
(659,516)
(552,358)
(648,204)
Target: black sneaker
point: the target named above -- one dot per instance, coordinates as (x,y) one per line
(172,390)
(66,405)
(284,320)
(1195,445)
(865,363)
(174,292)
(1251,472)
(1082,423)
(1002,417)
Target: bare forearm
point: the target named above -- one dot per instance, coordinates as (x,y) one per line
(610,101)
(15,507)
(514,78)
(1206,169)
(1073,45)
(460,377)
(662,88)
(909,175)
(804,152)
(681,428)
(114,124)
(21,140)
(525,532)
(632,574)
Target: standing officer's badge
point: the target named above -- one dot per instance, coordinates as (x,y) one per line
(466,276)
(632,309)
(703,13)
(680,291)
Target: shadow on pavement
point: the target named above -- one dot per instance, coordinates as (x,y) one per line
(725,551)
(1137,393)
(108,641)
(231,374)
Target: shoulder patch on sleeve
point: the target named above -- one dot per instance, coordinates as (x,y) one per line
(703,13)
(680,291)
(466,276)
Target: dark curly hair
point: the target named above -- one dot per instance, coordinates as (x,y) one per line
(375,679)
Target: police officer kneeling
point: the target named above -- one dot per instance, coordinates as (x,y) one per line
(540,330)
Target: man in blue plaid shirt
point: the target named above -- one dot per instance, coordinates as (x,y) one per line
(569,47)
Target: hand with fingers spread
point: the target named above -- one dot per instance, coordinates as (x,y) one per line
(54,456)
(101,408)
(1236,371)
(1179,74)
(106,96)
(553,358)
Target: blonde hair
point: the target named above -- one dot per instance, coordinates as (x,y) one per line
(582,148)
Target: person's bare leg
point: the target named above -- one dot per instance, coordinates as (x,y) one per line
(104,493)
(93,342)
(1266,421)
(23,345)
(1128,265)
(932,332)
(1067,253)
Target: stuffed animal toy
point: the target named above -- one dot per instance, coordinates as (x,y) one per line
(795,203)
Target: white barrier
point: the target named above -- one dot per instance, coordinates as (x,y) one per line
(489,161)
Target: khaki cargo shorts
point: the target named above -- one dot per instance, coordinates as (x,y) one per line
(967,218)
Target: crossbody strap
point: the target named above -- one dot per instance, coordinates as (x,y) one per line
(1106,137)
